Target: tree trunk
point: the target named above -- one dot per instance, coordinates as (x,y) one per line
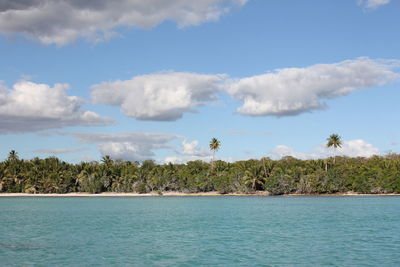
(265,168)
(212,160)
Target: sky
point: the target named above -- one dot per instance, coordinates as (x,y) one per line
(158,79)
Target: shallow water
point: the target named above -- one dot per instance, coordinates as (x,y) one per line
(200,231)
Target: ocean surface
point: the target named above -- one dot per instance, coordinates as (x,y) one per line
(200,231)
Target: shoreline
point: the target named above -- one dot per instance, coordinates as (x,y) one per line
(181,194)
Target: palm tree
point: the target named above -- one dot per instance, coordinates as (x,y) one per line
(107,160)
(13,163)
(335,141)
(13,155)
(215,144)
(253,176)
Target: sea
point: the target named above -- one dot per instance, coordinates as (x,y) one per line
(200,231)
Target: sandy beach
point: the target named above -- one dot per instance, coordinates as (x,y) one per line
(180,194)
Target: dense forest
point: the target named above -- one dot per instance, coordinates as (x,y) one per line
(378,174)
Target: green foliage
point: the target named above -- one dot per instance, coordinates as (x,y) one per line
(215,144)
(141,188)
(289,175)
(334,140)
(92,183)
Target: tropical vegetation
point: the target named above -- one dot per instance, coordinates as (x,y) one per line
(335,141)
(215,144)
(377,174)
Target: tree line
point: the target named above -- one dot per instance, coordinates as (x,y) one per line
(377,174)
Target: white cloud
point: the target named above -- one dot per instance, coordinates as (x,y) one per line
(87,158)
(281,151)
(63,21)
(292,91)
(352,148)
(31,107)
(190,151)
(166,96)
(161,96)
(174,160)
(128,146)
(125,150)
(371,4)
(193,149)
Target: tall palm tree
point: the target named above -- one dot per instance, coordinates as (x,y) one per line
(335,141)
(215,144)
(13,163)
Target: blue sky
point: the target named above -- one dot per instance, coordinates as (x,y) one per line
(158,79)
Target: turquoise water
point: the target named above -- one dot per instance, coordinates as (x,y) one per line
(200,231)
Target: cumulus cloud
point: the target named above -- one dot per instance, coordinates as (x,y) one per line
(166,96)
(175,160)
(134,146)
(281,151)
(63,21)
(371,4)
(292,91)
(352,148)
(31,106)
(190,151)
(161,96)
(193,149)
